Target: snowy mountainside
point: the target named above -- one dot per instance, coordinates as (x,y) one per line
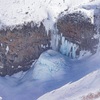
(87,88)
(28,85)
(52,70)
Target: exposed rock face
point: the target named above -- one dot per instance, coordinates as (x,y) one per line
(20,46)
(78,29)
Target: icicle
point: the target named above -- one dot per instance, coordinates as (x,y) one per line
(7,50)
(74,48)
(55,41)
(68,48)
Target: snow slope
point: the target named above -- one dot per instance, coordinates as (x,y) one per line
(35,82)
(79,90)
(56,73)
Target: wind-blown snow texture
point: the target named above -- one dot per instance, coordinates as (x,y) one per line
(52,70)
(13,12)
(77,90)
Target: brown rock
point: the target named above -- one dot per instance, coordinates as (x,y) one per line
(78,29)
(24,47)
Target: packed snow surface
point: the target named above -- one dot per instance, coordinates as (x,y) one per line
(14,12)
(77,90)
(51,71)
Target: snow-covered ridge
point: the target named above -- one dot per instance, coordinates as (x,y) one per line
(16,12)
(50,65)
(84,89)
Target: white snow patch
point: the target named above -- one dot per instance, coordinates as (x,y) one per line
(1,98)
(1,67)
(19,66)
(16,12)
(84,53)
(1,44)
(7,49)
(50,65)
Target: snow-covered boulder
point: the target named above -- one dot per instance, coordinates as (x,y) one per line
(50,65)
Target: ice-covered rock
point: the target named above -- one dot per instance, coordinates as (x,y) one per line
(64,25)
(50,65)
(77,34)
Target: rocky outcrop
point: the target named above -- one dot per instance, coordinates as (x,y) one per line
(19,47)
(78,29)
